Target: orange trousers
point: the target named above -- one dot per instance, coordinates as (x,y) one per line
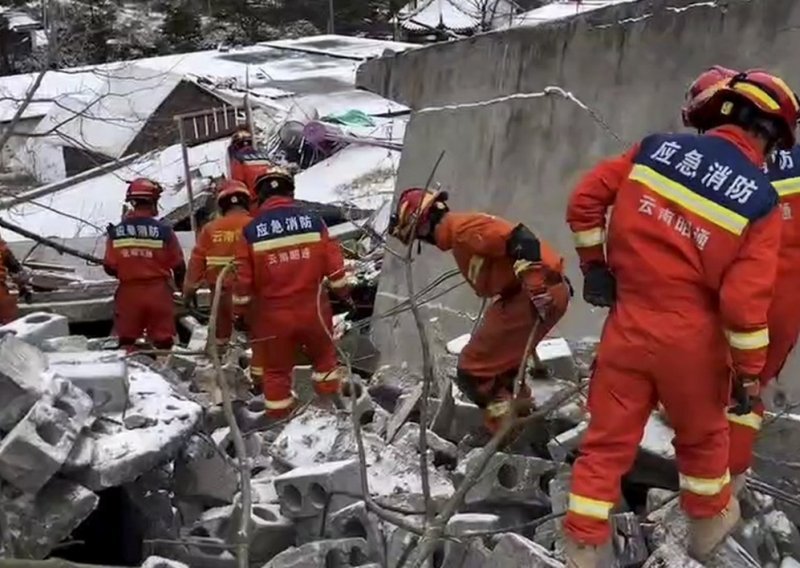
(9,309)
(489,363)
(784,325)
(277,334)
(644,357)
(144,308)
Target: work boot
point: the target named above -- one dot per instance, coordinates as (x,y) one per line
(706,534)
(578,555)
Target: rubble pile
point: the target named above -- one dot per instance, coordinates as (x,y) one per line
(77,420)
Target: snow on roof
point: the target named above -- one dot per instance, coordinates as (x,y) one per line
(561,10)
(362,176)
(18,20)
(455,15)
(98,201)
(106,118)
(308,66)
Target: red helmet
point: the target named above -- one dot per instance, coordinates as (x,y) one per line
(413,210)
(143,189)
(232,192)
(701,89)
(771,97)
(276,181)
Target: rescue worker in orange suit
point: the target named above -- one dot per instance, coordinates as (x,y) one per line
(498,258)
(246,164)
(285,257)
(143,253)
(9,265)
(784,312)
(688,272)
(216,248)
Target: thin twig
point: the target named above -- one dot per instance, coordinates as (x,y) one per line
(427,360)
(243,534)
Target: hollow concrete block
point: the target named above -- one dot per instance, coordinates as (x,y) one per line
(104,377)
(35,328)
(36,448)
(355,521)
(270,532)
(507,478)
(306,491)
(342,553)
(21,383)
(515,551)
(556,354)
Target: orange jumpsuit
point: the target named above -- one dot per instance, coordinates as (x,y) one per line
(784,312)
(9,309)
(247,166)
(282,260)
(692,242)
(143,254)
(215,248)
(489,363)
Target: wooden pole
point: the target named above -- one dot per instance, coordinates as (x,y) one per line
(187,173)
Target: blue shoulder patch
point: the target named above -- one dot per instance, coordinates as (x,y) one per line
(282,222)
(710,167)
(786,165)
(147,228)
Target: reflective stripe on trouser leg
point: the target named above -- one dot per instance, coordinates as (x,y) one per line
(743,432)
(588,507)
(328,382)
(704,497)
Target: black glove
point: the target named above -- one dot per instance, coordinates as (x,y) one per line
(110,229)
(599,286)
(240,324)
(25,293)
(745,391)
(190,299)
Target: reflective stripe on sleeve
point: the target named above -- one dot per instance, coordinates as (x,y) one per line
(258,371)
(521,266)
(280,404)
(703,485)
(497,409)
(241,300)
(589,507)
(751,420)
(333,375)
(589,238)
(787,187)
(748,340)
(218,260)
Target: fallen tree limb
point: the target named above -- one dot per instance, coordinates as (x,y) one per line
(243,534)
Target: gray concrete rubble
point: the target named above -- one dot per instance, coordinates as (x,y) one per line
(37,327)
(344,552)
(506,479)
(35,524)
(103,375)
(270,532)
(306,491)
(21,383)
(204,472)
(36,448)
(515,551)
(158,562)
(566,443)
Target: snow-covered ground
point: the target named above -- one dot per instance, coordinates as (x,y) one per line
(562,9)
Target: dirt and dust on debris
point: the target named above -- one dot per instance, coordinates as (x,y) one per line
(116,460)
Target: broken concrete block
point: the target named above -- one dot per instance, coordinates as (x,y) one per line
(515,551)
(21,384)
(364,404)
(506,479)
(389,383)
(102,375)
(583,351)
(570,413)
(35,524)
(345,552)
(151,497)
(628,540)
(198,339)
(784,532)
(406,405)
(306,491)
(376,421)
(204,472)
(444,452)
(781,438)
(36,448)
(38,326)
(270,532)
(355,521)
(69,344)
(199,553)
(459,551)
(158,562)
(657,498)
(556,355)
(671,555)
(655,464)
(789,562)
(121,455)
(319,436)
(566,443)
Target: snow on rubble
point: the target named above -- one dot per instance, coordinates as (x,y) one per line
(80,418)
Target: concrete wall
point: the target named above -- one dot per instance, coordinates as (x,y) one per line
(521,157)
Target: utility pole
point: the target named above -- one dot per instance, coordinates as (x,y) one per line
(331,29)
